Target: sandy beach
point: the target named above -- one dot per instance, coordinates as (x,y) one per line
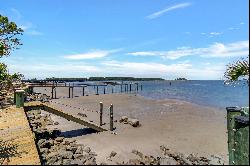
(181,126)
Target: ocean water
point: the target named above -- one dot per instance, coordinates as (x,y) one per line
(208,93)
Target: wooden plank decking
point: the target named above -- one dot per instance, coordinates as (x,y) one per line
(17,137)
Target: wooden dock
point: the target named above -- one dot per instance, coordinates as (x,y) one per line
(53,110)
(16,139)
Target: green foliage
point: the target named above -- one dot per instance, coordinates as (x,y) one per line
(8,36)
(238,70)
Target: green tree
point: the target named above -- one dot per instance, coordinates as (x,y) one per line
(9,33)
(9,41)
(238,70)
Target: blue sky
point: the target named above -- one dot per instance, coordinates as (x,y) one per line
(195,39)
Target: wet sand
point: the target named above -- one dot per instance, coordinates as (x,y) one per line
(181,126)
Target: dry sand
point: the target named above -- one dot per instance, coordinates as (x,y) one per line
(181,126)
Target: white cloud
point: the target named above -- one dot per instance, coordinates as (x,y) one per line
(242,23)
(233,28)
(161,12)
(91,55)
(17,14)
(48,70)
(165,71)
(215,34)
(240,48)
(34,33)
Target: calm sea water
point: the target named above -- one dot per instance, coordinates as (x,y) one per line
(208,93)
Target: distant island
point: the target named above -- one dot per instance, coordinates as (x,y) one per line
(98,79)
(180,79)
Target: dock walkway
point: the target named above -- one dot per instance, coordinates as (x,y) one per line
(17,144)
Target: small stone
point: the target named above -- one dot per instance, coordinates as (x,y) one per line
(67,161)
(82,114)
(77,162)
(56,123)
(79,150)
(133,122)
(87,149)
(66,154)
(90,161)
(123,119)
(112,154)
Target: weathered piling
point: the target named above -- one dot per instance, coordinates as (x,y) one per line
(130,87)
(101,112)
(97,93)
(72,90)
(55,92)
(104,88)
(112,89)
(19,98)
(141,87)
(52,92)
(69,92)
(121,88)
(111,117)
(83,91)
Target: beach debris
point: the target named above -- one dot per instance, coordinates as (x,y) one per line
(131,121)
(123,119)
(112,154)
(81,114)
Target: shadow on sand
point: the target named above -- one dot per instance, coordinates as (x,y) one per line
(78,132)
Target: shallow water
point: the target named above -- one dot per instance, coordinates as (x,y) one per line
(209,93)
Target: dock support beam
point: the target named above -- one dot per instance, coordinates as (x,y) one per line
(97,93)
(83,89)
(111,117)
(101,111)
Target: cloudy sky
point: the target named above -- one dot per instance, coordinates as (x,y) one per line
(195,39)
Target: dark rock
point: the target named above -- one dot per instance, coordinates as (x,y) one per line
(56,123)
(66,154)
(79,150)
(112,154)
(87,149)
(59,139)
(67,161)
(90,161)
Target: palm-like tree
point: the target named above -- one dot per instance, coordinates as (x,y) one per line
(238,70)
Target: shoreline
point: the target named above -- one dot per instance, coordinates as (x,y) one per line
(179,125)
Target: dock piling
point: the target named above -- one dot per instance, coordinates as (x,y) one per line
(101,111)
(111,117)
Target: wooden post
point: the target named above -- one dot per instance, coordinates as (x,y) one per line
(112,89)
(101,111)
(69,91)
(97,90)
(121,88)
(104,88)
(125,88)
(52,92)
(130,88)
(65,84)
(72,94)
(83,91)
(19,98)
(137,88)
(141,87)
(55,92)
(111,117)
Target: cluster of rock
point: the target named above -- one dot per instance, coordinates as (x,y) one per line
(55,149)
(131,121)
(173,158)
(167,158)
(37,97)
